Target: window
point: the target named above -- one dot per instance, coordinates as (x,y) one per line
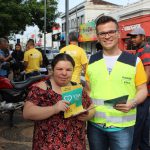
(82,19)
(63,27)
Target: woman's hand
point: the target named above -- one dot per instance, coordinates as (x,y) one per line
(87,115)
(61,106)
(83,116)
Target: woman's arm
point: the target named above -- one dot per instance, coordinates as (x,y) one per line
(33,112)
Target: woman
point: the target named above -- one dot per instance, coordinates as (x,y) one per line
(45,106)
(18,67)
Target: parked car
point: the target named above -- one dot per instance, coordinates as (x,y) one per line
(47,52)
(55,52)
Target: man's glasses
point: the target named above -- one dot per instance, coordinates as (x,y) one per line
(110,33)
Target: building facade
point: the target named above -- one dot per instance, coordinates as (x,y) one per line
(130,17)
(82,20)
(82,16)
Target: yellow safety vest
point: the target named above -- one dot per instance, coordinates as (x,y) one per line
(107,88)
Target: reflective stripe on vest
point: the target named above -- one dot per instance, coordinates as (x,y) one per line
(115,119)
(100,102)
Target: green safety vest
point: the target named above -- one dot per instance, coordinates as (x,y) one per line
(107,88)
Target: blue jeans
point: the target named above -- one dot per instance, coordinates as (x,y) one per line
(141,138)
(102,140)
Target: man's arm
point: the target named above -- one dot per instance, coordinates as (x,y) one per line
(25,64)
(7,58)
(147,70)
(1,58)
(41,60)
(141,89)
(25,59)
(4,59)
(84,61)
(139,98)
(84,68)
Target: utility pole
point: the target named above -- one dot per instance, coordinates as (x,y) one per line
(67,21)
(76,19)
(45,1)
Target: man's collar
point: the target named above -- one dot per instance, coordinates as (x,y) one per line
(141,45)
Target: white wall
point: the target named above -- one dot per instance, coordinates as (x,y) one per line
(48,40)
(125,10)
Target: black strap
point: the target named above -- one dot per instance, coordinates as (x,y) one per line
(49,85)
(73,83)
(127,58)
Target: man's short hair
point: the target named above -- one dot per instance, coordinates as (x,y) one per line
(106,19)
(73,38)
(30,42)
(3,40)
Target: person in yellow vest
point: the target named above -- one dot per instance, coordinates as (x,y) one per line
(32,59)
(117,83)
(79,56)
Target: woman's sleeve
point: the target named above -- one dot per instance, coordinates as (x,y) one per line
(34,95)
(86,101)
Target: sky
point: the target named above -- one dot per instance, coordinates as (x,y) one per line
(72,3)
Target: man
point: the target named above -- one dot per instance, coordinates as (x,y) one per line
(79,56)
(142,128)
(32,60)
(4,58)
(117,83)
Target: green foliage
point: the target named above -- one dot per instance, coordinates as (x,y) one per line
(16,14)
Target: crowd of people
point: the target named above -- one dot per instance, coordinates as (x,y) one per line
(18,60)
(117,84)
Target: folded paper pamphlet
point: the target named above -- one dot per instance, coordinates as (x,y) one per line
(118,100)
(73,94)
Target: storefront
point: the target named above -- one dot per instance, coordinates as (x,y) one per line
(87,36)
(126,26)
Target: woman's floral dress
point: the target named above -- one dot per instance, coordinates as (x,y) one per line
(56,132)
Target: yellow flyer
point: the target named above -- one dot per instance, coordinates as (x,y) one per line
(73,94)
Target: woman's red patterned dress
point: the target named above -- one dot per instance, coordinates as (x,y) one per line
(56,132)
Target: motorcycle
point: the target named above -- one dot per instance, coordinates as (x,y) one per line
(13,94)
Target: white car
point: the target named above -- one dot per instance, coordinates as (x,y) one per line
(55,52)
(47,52)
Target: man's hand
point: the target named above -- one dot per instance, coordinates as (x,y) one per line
(124,107)
(2,58)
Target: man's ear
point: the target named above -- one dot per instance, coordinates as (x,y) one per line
(119,34)
(143,37)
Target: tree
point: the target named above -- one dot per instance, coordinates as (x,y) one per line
(16,14)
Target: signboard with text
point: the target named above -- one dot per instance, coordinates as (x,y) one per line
(87,32)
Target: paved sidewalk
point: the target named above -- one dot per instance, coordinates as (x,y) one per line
(18,137)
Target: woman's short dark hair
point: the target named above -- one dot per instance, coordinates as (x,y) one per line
(17,44)
(62,57)
(106,19)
